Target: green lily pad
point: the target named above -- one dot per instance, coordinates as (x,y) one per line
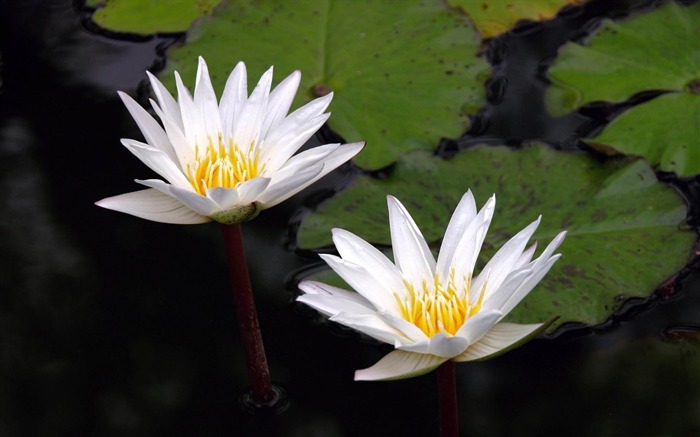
(654,51)
(494,17)
(147,17)
(404,74)
(624,237)
(676,148)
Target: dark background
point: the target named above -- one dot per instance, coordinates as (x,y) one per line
(115,326)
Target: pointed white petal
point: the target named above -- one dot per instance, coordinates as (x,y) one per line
(314,287)
(283,186)
(478,325)
(297,127)
(498,297)
(191,122)
(370,324)
(439,345)
(526,257)
(205,100)
(364,283)
(233,99)
(469,245)
(503,262)
(307,158)
(461,217)
(411,331)
(165,99)
(280,101)
(247,126)
(250,190)
(332,305)
(411,252)
(157,161)
(527,285)
(153,205)
(289,181)
(196,202)
(275,151)
(399,364)
(549,250)
(151,130)
(226,198)
(183,150)
(502,337)
(357,251)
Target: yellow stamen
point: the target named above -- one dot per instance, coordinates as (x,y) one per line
(222,165)
(440,307)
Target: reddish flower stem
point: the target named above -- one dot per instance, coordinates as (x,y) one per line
(447,394)
(251,339)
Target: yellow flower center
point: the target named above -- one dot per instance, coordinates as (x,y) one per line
(438,307)
(222,165)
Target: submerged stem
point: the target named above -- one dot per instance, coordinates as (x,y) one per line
(447,394)
(251,338)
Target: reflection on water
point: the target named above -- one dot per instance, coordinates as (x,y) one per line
(111,325)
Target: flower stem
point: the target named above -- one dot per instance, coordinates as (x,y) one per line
(447,394)
(251,339)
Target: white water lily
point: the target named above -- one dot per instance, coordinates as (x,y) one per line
(226,161)
(432,311)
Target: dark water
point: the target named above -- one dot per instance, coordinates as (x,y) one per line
(112,325)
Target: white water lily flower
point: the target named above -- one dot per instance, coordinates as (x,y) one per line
(432,311)
(226,161)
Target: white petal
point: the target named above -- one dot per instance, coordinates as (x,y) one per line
(469,245)
(411,331)
(498,297)
(461,217)
(191,122)
(196,202)
(153,205)
(305,159)
(226,198)
(399,364)
(364,283)
(151,130)
(332,305)
(370,324)
(280,101)
(183,149)
(250,190)
(526,256)
(233,99)
(478,325)
(314,287)
(284,186)
(411,252)
(549,250)
(439,345)
(503,262)
(166,101)
(157,161)
(501,336)
(274,152)
(244,194)
(357,251)
(205,100)
(527,285)
(247,125)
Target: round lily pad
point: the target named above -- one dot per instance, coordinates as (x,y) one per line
(494,17)
(659,50)
(675,148)
(147,17)
(404,74)
(623,224)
